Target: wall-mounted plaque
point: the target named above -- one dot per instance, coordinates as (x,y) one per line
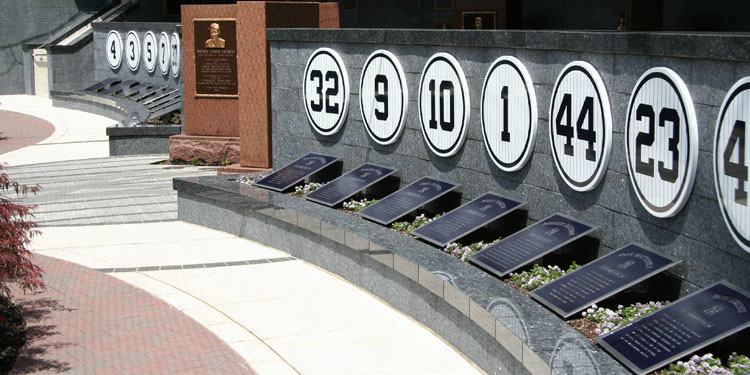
(150,52)
(467,218)
(680,328)
(661,141)
(296,171)
(601,278)
(531,243)
(133,50)
(443,104)
(383,97)
(509,114)
(478,20)
(325,90)
(731,159)
(164,53)
(580,130)
(174,43)
(114,49)
(342,188)
(215,57)
(407,200)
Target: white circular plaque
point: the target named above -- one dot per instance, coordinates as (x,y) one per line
(731,159)
(164,52)
(133,50)
(661,141)
(174,43)
(580,129)
(444,104)
(509,114)
(114,49)
(325,90)
(150,53)
(383,97)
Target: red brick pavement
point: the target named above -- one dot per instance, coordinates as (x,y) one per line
(87,322)
(18,130)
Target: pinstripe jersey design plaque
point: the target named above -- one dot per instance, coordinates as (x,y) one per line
(580,126)
(325,90)
(383,97)
(661,141)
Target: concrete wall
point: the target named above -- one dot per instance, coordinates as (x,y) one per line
(709,65)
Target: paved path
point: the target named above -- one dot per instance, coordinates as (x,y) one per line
(116,216)
(89,323)
(18,130)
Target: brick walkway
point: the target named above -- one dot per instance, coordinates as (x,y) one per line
(18,130)
(87,322)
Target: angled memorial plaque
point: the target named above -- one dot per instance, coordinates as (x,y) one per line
(296,171)
(601,278)
(680,328)
(342,188)
(406,200)
(467,218)
(531,243)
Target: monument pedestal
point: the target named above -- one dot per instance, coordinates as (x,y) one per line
(227,78)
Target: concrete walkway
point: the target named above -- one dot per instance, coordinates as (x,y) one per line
(280,314)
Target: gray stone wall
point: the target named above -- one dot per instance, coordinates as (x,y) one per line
(709,65)
(102,69)
(23,22)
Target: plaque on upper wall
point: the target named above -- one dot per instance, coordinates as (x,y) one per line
(325,91)
(150,52)
(133,50)
(601,278)
(509,114)
(680,328)
(580,129)
(114,49)
(731,157)
(444,104)
(383,97)
(661,141)
(174,43)
(164,53)
(530,243)
(215,57)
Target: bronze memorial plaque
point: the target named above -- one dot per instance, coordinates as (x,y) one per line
(215,57)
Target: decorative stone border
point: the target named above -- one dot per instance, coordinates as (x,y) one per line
(495,326)
(141,140)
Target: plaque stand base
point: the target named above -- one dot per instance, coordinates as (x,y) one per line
(210,149)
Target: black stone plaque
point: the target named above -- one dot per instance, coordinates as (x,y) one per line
(406,200)
(531,243)
(601,278)
(466,219)
(680,328)
(349,184)
(215,57)
(296,171)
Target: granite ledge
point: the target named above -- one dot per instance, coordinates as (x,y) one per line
(523,325)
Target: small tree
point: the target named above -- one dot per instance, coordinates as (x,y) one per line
(16,231)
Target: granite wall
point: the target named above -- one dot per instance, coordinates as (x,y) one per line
(709,65)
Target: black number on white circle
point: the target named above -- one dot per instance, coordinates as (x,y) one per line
(332,90)
(149,49)
(174,54)
(113,49)
(163,51)
(381,96)
(505,134)
(737,169)
(439,105)
(564,125)
(647,139)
